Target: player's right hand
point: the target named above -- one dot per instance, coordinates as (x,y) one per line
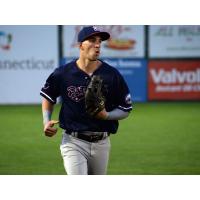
(48,128)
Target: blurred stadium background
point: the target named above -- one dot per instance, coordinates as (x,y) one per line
(161,65)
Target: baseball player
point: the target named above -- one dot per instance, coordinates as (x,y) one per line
(94,97)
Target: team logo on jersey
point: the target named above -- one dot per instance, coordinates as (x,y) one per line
(76,93)
(5,40)
(95,28)
(128,99)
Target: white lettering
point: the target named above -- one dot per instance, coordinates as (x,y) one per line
(191,77)
(196,88)
(157,76)
(160,88)
(27,64)
(181,77)
(129,63)
(175,76)
(177,88)
(187,88)
(167,78)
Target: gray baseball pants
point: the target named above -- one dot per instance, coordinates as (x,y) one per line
(85,158)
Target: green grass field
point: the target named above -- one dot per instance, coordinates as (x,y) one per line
(157,138)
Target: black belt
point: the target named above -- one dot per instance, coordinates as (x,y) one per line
(89,136)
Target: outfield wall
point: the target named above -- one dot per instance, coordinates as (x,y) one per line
(161,52)
(28,54)
(174,62)
(158,62)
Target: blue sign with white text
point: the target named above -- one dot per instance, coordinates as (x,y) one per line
(134,72)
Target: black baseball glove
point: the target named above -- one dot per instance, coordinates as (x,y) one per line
(94,98)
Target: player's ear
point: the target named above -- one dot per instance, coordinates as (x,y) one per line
(80,45)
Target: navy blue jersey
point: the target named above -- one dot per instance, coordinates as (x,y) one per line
(70,82)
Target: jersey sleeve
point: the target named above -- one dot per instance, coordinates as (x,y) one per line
(51,89)
(124,101)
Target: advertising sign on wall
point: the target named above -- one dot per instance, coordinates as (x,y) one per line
(28,54)
(174,41)
(135,73)
(174,80)
(127,41)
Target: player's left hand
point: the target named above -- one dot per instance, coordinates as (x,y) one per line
(94,98)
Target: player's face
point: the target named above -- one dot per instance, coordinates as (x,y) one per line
(91,48)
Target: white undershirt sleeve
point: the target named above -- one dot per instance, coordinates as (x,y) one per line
(117,114)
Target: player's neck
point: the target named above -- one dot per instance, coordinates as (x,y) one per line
(88,66)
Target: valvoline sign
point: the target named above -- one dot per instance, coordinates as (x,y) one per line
(174,80)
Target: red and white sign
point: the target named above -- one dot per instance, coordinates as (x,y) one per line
(174,80)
